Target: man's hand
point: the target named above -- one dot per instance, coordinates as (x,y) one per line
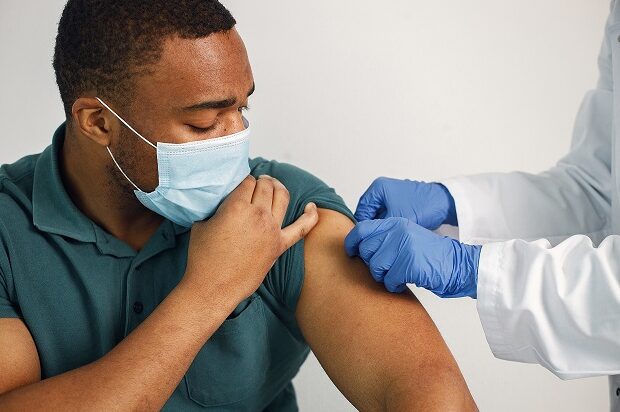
(398,252)
(428,204)
(234,250)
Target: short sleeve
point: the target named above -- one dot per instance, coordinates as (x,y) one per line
(8,309)
(285,280)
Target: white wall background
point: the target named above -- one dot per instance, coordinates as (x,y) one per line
(354,89)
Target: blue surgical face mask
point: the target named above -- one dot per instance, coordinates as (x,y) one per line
(195,177)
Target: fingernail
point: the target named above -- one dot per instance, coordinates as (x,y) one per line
(265,177)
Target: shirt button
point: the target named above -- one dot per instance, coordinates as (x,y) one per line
(138,307)
(617,391)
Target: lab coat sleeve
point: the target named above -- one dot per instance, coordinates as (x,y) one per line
(555,302)
(574,197)
(558,307)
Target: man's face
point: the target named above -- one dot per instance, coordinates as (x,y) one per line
(196,91)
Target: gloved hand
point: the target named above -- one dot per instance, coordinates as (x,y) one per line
(398,251)
(428,204)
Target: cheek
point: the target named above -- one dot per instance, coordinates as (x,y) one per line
(139,161)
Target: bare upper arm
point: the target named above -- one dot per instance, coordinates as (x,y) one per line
(19,359)
(368,340)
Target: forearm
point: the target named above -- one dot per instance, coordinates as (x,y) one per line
(143,370)
(434,387)
(554,306)
(552,205)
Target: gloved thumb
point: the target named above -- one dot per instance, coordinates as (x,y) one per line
(370,204)
(360,232)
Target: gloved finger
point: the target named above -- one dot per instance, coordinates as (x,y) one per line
(360,232)
(394,282)
(371,203)
(394,288)
(378,266)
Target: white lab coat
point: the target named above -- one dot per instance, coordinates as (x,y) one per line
(552,297)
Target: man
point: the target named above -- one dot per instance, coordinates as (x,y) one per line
(122,290)
(555,301)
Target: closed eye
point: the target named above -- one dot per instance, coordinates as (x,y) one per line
(200,129)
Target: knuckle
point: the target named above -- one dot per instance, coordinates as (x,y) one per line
(248,181)
(283,191)
(302,232)
(380,181)
(265,185)
(400,222)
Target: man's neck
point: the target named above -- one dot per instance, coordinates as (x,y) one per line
(89,187)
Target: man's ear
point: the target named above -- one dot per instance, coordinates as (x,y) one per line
(93,121)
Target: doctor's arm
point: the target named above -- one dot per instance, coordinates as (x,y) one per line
(558,307)
(381,350)
(573,197)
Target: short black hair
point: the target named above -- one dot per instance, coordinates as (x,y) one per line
(102,44)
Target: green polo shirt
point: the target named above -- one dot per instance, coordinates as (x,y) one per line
(80,290)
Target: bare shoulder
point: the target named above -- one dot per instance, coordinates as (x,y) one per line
(365,337)
(338,284)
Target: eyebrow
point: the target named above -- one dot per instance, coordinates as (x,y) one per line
(217,104)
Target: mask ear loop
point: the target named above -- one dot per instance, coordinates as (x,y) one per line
(124,122)
(133,130)
(119,168)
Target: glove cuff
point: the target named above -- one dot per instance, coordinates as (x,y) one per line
(450,206)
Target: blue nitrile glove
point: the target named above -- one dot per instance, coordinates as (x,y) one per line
(428,204)
(399,251)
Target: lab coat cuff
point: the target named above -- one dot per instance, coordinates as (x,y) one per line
(490,275)
(464,211)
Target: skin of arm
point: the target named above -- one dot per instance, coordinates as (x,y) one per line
(381,350)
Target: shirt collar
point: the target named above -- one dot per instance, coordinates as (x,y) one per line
(52,208)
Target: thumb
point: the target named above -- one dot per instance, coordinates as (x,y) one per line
(298,230)
(370,204)
(360,232)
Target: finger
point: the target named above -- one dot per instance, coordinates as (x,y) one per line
(393,282)
(301,227)
(281,199)
(244,191)
(370,204)
(377,267)
(360,232)
(263,192)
